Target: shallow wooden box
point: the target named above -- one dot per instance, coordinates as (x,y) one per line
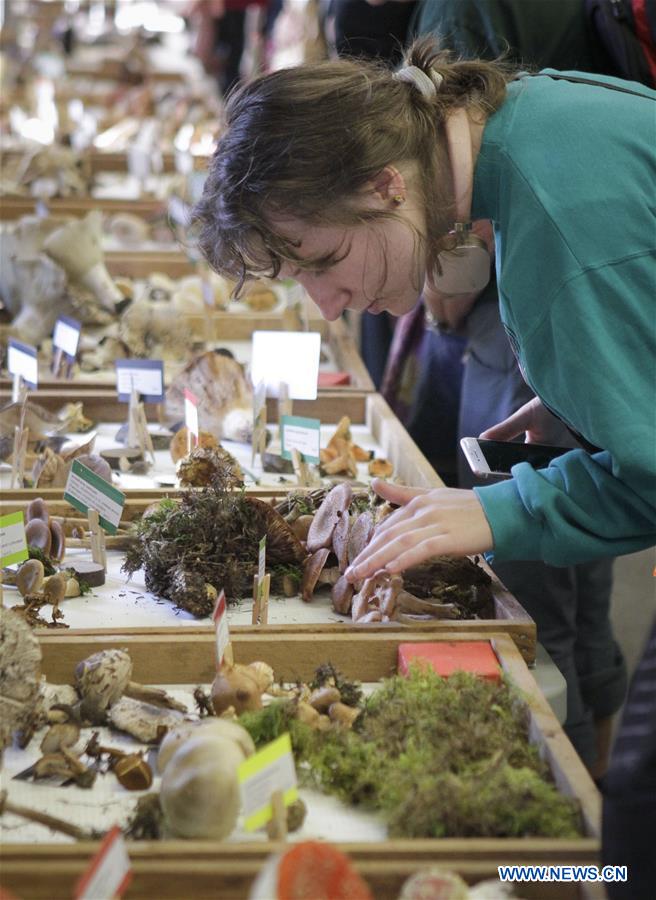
(410,467)
(14,206)
(176,869)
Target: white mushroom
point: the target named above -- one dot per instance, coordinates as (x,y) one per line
(200,794)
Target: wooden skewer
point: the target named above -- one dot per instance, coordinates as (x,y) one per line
(277,824)
(255,619)
(264,600)
(97,539)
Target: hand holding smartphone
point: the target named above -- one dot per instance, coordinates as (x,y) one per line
(487,458)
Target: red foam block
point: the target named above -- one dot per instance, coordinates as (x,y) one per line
(448,657)
(333,379)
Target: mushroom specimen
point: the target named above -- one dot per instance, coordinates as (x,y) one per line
(240,687)
(76,247)
(103,678)
(200,794)
(336,504)
(20,661)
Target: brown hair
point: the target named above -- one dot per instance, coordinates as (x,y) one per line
(301,141)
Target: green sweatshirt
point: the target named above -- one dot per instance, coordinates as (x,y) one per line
(567,173)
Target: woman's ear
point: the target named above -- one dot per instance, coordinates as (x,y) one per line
(388,187)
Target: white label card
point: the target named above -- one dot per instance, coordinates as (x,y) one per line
(66,335)
(291,357)
(145,376)
(22,360)
(261,559)
(270,769)
(110,870)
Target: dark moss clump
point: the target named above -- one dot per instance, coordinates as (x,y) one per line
(210,537)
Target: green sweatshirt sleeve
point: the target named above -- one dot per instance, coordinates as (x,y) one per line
(574,511)
(592,359)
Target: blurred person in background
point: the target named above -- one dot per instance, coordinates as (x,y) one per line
(221,36)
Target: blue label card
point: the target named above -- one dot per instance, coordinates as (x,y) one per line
(145,376)
(22,360)
(290,357)
(66,336)
(304,435)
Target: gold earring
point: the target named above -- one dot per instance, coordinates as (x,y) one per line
(397,199)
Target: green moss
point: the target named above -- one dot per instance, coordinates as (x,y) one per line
(49,567)
(435,757)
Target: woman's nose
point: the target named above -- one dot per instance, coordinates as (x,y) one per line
(332,303)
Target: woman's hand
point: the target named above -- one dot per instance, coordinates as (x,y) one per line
(534,420)
(429,523)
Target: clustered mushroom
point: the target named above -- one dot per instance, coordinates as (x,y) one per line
(43,532)
(334,539)
(342,454)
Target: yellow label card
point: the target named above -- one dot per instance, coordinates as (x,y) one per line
(271,769)
(13,546)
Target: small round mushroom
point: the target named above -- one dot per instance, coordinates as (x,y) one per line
(37,509)
(324,697)
(236,686)
(54,589)
(29,578)
(72,588)
(37,534)
(343,715)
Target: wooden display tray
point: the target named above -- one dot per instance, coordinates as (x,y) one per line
(14,206)
(395,444)
(204,869)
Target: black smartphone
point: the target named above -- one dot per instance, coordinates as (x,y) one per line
(487,458)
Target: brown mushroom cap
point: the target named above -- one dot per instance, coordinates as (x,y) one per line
(342,596)
(97,464)
(54,590)
(236,686)
(37,534)
(334,506)
(29,577)
(103,676)
(37,509)
(340,541)
(381,468)
(179,443)
(360,534)
(311,570)
(58,544)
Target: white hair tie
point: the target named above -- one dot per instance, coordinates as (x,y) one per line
(426,84)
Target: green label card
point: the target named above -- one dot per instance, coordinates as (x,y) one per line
(13,546)
(304,435)
(85,490)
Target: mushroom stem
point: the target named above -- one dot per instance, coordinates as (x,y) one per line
(44,819)
(156,696)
